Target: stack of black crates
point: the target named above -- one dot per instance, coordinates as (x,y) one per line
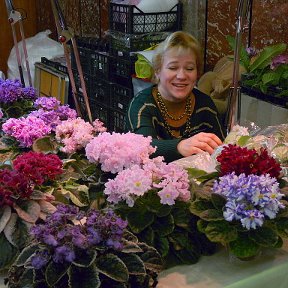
(109,65)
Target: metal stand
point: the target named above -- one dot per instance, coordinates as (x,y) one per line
(234,99)
(64,35)
(13,18)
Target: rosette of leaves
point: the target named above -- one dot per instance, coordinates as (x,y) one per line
(260,73)
(243,236)
(101,254)
(171,229)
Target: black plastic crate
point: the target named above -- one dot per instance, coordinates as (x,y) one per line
(100,112)
(117,121)
(131,20)
(120,97)
(122,69)
(82,105)
(100,64)
(78,83)
(59,66)
(100,91)
(123,44)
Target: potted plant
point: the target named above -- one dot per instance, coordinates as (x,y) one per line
(244,205)
(73,248)
(266,72)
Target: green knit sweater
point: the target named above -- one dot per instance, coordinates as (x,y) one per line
(144,117)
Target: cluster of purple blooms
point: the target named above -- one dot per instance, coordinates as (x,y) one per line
(68,230)
(40,122)
(250,199)
(12,90)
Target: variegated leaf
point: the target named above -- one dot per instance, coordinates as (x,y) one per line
(46,207)
(29,211)
(5,214)
(10,228)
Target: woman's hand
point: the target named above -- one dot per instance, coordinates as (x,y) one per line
(199,143)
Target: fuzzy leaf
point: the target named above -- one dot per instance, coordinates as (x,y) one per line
(5,214)
(244,248)
(113,267)
(151,258)
(181,216)
(266,56)
(130,247)
(264,236)
(25,254)
(7,252)
(242,141)
(212,215)
(87,277)
(134,264)
(218,201)
(164,226)
(28,210)
(162,246)
(138,221)
(202,225)
(46,207)
(221,232)
(147,235)
(55,271)
(79,194)
(84,258)
(45,145)
(10,228)
(197,207)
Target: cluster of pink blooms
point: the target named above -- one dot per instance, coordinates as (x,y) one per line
(169,181)
(75,134)
(117,151)
(26,130)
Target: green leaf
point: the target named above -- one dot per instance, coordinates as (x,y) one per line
(212,215)
(270,78)
(196,173)
(264,236)
(242,141)
(80,277)
(162,246)
(182,216)
(138,221)
(151,258)
(7,252)
(17,231)
(147,235)
(218,201)
(134,264)
(282,227)
(84,258)
(55,271)
(164,226)
(25,254)
(266,55)
(202,225)
(113,267)
(130,247)
(197,207)
(244,248)
(221,232)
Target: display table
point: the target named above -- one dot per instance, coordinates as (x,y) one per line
(219,270)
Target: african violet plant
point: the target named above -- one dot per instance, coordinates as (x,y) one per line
(151,195)
(73,248)
(22,200)
(267,70)
(244,206)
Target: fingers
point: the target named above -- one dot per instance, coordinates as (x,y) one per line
(202,142)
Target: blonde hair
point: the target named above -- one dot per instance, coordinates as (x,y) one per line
(183,42)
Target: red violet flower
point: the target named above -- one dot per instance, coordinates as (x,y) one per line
(238,159)
(38,167)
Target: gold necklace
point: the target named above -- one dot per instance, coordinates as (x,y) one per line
(164,110)
(166,114)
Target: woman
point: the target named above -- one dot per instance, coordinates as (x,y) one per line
(181,120)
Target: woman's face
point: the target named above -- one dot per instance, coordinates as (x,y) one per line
(177,75)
